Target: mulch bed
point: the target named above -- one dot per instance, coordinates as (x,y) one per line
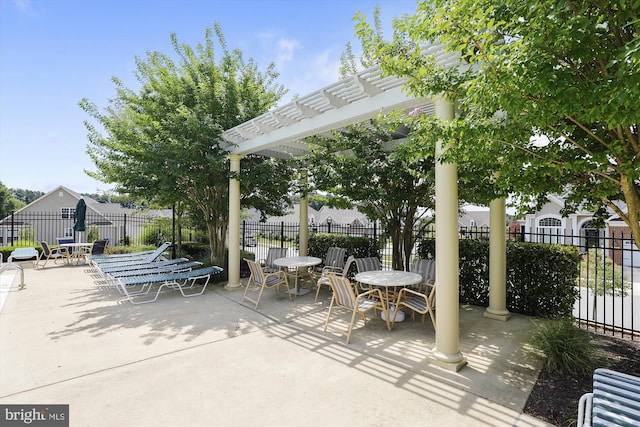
(554,398)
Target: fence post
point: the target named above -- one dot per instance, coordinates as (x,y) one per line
(173,231)
(282,234)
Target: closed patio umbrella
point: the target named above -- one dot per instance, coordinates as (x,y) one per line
(81,211)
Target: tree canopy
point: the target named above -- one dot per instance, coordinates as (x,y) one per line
(546,94)
(8,202)
(372,166)
(164,141)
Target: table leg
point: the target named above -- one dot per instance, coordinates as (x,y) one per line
(296,289)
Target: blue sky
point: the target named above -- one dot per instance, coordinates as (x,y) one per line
(53,53)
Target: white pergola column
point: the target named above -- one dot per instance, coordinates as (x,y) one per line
(447,352)
(304,215)
(497,262)
(234,225)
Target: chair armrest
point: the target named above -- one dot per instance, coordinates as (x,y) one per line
(585,410)
(280,273)
(404,291)
(372,292)
(327,269)
(59,250)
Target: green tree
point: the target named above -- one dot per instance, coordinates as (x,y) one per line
(26,196)
(8,203)
(164,141)
(370,167)
(546,92)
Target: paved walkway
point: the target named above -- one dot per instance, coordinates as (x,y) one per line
(212,360)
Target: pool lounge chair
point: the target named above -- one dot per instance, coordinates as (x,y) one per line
(129,266)
(615,400)
(149,256)
(170,268)
(161,282)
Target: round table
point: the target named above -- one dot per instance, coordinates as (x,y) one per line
(79,249)
(389,279)
(296,263)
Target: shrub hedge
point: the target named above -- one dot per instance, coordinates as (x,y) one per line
(541,278)
(359,247)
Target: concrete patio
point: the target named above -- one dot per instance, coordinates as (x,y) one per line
(213,360)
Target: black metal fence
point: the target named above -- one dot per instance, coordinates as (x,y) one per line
(29,228)
(609,275)
(609,280)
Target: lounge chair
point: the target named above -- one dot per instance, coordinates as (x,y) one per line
(166,281)
(166,268)
(615,400)
(345,295)
(262,281)
(130,266)
(148,256)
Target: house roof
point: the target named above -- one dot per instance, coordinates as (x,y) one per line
(92,204)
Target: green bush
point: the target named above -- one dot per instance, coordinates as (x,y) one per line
(93,233)
(541,278)
(357,246)
(569,350)
(158,232)
(126,249)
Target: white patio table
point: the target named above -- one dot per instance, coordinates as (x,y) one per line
(389,279)
(78,249)
(299,264)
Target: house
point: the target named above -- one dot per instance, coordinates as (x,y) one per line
(547,225)
(52,216)
(474,222)
(346,221)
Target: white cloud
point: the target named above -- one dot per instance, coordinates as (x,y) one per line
(23,5)
(286,49)
(324,68)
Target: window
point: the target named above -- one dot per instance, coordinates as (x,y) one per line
(68,232)
(591,237)
(549,230)
(67,213)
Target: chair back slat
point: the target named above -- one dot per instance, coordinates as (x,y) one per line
(99,246)
(256,271)
(343,291)
(45,248)
(368,264)
(335,257)
(272,255)
(426,268)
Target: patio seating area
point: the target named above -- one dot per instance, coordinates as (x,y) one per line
(70,339)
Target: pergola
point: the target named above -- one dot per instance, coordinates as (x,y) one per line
(281,132)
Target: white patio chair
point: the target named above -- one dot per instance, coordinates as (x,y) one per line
(273,254)
(329,270)
(345,295)
(262,281)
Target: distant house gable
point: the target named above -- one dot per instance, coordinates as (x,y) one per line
(474,218)
(61,199)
